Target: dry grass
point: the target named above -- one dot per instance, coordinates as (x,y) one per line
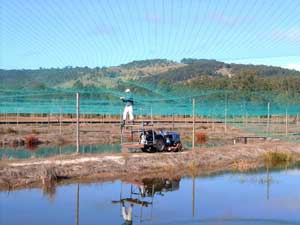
(11,131)
(59,140)
(276,158)
(244,166)
(34,131)
(192,168)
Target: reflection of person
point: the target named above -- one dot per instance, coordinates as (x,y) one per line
(127,216)
(128,99)
(142,190)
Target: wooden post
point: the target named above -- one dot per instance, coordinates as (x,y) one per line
(77,123)
(151,116)
(286,122)
(6,119)
(193,143)
(268,122)
(18,118)
(172,121)
(60,121)
(225,119)
(297,121)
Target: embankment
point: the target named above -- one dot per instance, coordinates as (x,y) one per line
(39,172)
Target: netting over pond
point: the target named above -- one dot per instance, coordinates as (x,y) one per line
(147,100)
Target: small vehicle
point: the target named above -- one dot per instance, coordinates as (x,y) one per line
(159,142)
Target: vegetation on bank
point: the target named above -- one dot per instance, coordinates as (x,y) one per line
(277,158)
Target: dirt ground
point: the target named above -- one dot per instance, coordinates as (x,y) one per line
(16,174)
(52,131)
(224,156)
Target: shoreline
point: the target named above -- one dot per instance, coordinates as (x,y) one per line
(38,173)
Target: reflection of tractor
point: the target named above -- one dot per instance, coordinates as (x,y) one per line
(162,141)
(159,185)
(141,193)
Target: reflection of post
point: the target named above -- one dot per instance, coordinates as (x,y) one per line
(77,122)
(268,184)
(193,144)
(193,197)
(77,205)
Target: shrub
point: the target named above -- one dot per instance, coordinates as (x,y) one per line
(34,131)
(11,131)
(201,138)
(31,142)
(277,158)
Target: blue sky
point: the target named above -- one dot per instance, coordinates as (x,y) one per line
(58,33)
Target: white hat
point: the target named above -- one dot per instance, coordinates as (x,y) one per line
(127,90)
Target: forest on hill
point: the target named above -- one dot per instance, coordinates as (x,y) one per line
(197,74)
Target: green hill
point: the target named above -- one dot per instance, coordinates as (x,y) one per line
(159,73)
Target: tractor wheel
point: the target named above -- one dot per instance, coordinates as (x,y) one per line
(179,147)
(160,145)
(144,149)
(147,149)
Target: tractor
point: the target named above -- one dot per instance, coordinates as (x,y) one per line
(152,141)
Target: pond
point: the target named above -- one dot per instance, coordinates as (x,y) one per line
(49,151)
(233,198)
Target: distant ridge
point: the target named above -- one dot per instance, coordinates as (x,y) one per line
(160,73)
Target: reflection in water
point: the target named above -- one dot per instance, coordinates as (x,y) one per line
(142,194)
(225,199)
(49,151)
(77,205)
(49,190)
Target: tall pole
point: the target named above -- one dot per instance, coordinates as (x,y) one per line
(77,122)
(172,121)
(18,118)
(151,111)
(268,122)
(193,144)
(225,113)
(60,121)
(286,122)
(225,119)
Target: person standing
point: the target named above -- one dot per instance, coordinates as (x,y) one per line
(128,99)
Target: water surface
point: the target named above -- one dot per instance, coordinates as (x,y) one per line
(252,198)
(49,151)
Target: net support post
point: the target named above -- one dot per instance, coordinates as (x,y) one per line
(77,122)
(193,138)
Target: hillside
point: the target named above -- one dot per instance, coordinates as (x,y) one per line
(159,73)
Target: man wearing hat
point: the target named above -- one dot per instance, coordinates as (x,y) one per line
(128,99)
